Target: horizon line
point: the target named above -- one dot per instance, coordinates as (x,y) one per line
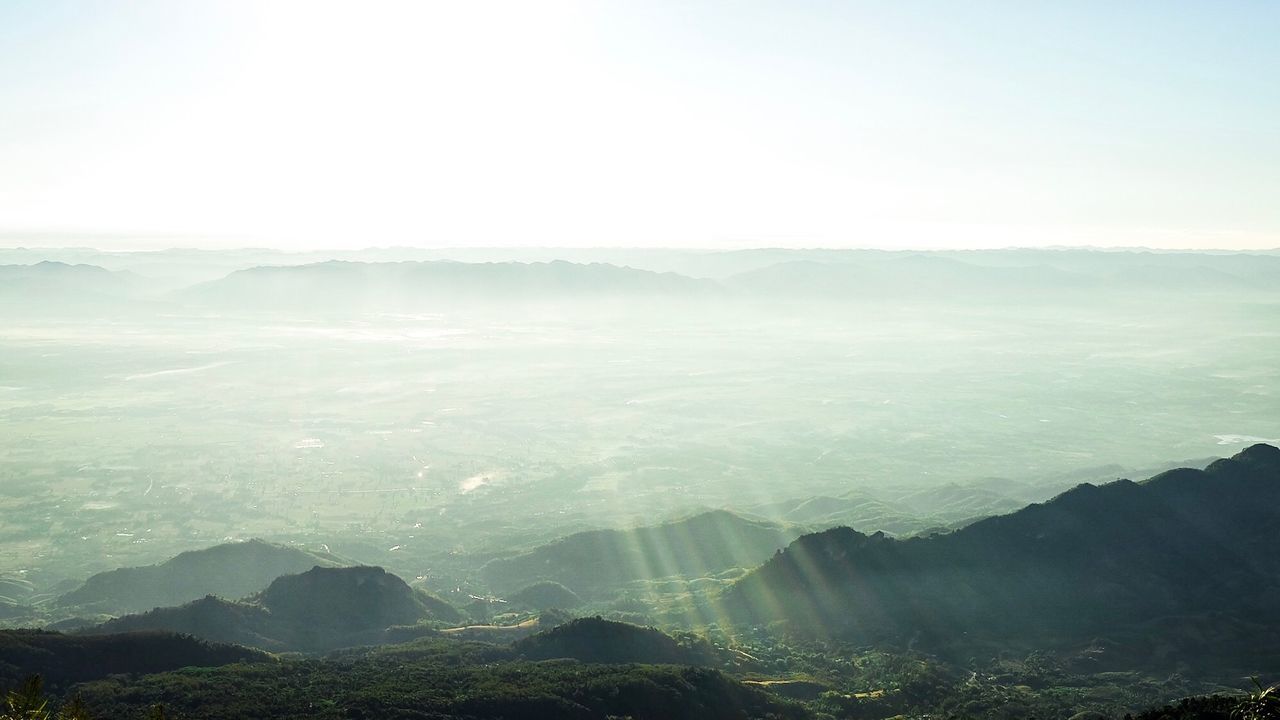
(641,248)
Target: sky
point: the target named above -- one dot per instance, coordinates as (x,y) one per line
(903,123)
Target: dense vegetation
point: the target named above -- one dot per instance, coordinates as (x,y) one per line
(767,677)
(435,680)
(63,660)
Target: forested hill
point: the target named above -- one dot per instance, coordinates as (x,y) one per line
(230,570)
(1096,558)
(320,609)
(63,660)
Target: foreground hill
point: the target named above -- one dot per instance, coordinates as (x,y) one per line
(231,570)
(442,681)
(595,640)
(598,561)
(1114,558)
(338,285)
(66,659)
(322,608)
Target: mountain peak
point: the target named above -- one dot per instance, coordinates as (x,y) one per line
(1260,454)
(359,597)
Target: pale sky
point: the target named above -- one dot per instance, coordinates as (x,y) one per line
(902,123)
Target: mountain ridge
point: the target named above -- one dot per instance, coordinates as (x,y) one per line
(343,284)
(1093,559)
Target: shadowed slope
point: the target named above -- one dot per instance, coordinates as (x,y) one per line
(1096,557)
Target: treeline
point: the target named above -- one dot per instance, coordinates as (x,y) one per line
(436,680)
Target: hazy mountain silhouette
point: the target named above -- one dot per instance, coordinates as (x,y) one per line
(339,285)
(543,595)
(598,561)
(55,287)
(904,275)
(323,608)
(231,570)
(997,275)
(1094,559)
(863,509)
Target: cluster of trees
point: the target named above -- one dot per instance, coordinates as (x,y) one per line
(591,669)
(29,702)
(64,660)
(437,682)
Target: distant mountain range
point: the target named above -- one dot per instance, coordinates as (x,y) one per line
(411,280)
(54,286)
(909,275)
(796,275)
(1094,560)
(231,570)
(194,265)
(598,561)
(322,608)
(339,285)
(763,275)
(904,510)
(866,510)
(976,276)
